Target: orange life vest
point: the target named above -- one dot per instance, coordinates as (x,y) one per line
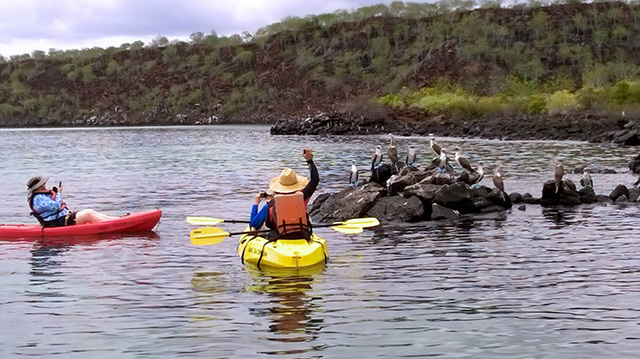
(290,216)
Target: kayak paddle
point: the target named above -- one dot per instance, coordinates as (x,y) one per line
(213,235)
(359,222)
(209,221)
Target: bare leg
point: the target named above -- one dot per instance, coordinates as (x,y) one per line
(90,216)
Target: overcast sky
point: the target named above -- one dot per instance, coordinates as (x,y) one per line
(28,25)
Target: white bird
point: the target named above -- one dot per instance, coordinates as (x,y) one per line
(558,173)
(376,160)
(434,146)
(479,173)
(353,175)
(442,164)
(463,162)
(586,180)
(411,156)
(392,152)
(498,181)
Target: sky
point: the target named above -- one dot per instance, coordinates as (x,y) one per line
(28,25)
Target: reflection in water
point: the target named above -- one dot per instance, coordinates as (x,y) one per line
(560,216)
(290,308)
(45,262)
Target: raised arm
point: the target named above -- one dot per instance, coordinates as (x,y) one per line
(310,188)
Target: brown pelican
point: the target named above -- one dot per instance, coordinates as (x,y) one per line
(434,146)
(586,180)
(411,156)
(376,160)
(392,152)
(353,175)
(463,162)
(558,174)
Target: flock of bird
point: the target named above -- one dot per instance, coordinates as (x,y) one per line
(441,159)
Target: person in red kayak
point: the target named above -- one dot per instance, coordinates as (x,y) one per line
(51,211)
(286,212)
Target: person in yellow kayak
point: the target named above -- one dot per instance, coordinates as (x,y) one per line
(285,212)
(51,210)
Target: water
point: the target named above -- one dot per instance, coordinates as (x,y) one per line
(538,283)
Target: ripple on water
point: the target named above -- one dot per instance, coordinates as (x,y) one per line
(553,282)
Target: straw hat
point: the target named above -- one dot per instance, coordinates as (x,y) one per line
(288,182)
(35,182)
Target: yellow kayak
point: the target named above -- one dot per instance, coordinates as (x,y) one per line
(282,253)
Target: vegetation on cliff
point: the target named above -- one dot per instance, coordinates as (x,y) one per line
(453,56)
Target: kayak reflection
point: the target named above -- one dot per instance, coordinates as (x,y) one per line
(289,306)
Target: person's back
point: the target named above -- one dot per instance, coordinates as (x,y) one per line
(287,183)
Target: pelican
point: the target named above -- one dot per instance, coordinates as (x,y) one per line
(558,174)
(411,156)
(586,180)
(392,152)
(463,162)
(353,175)
(442,164)
(434,146)
(376,160)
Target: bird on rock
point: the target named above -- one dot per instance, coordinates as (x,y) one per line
(478,174)
(353,175)
(497,178)
(558,173)
(586,180)
(376,160)
(392,152)
(434,146)
(463,161)
(411,156)
(442,162)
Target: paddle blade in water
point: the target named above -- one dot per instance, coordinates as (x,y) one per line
(207,236)
(204,221)
(363,222)
(347,229)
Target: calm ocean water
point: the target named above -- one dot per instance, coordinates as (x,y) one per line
(538,283)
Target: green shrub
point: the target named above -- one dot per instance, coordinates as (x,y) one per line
(590,99)
(561,102)
(112,68)
(8,109)
(537,104)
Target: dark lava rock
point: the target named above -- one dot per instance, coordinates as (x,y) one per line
(588,195)
(424,191)
(457,196)
(381,174)
(398,209)
(515,197)
(351,202)
(620,190)
(554,194)
(439,213)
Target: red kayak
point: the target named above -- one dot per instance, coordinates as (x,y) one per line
(134,222)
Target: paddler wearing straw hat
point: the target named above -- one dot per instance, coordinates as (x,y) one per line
(287,198)
(50,209)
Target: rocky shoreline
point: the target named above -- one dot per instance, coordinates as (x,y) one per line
(413,195)
(577,127)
